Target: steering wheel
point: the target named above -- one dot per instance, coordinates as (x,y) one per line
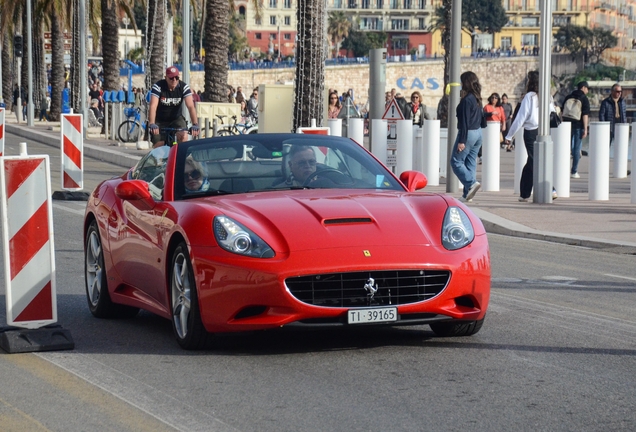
(326,170)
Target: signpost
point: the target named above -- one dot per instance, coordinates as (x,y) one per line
(392,114)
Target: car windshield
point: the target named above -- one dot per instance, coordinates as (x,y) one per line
(266,162)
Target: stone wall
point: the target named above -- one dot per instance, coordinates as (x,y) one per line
(501,75)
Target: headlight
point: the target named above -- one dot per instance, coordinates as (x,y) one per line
(457,231)
(234,237)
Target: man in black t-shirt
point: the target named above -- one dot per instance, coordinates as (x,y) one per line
(166,99)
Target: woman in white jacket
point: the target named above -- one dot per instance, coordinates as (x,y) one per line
(528,118)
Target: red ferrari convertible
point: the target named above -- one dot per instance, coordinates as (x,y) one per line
(261,231)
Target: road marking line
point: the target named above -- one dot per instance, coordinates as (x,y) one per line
(70,210)
(620,277)
(144,397)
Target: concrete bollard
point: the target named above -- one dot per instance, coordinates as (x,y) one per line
(491,157)
(355,130)
(598,184)
(404,151)
(521,157)
(561,139)
(633,181)
(431,162)
(378,143)
(418,148)
(621,144)
(335,127)
(443,151)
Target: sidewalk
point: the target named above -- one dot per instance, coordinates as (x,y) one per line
(609,225)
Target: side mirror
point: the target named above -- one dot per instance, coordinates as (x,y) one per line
(133,190)
(413,180)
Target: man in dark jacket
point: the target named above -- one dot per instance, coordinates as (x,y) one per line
(579,125)
(613,109)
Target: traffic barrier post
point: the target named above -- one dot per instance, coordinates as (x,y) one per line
(598,185)
(621,144)
(29,256)
(561,139)
(2,121)
(491,157)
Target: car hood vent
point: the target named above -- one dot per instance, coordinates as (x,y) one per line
(350,220)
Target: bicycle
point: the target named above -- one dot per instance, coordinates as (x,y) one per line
(239,128)
(131,129)
(171,135)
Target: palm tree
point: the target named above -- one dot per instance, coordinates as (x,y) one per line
(216,50)
(11,16)
(338,29)
(155,41)
(310,62)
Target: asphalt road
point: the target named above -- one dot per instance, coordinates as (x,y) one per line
(557,352)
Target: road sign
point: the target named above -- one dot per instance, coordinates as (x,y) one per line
(393,111)
(72,152)
(392,114)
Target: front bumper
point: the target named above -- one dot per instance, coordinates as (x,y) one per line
(245,294)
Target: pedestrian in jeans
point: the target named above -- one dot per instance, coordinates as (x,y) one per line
(613,109)
(579,120)
(468,142)
(528,118)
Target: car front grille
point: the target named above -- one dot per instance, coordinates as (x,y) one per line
(394,287)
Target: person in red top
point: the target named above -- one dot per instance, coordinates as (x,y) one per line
(494,111)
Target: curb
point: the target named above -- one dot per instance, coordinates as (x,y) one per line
(90,150)
(497,225)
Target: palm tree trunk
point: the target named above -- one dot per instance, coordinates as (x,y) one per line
(57,66)
(7,78)
(310,63)
(156,40)
(76,82)
(216,50)
(39,68)
(110,44)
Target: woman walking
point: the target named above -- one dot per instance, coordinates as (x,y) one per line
(528,119)
(468,141)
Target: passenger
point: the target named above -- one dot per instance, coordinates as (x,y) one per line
(195,176)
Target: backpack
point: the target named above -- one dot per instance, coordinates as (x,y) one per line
(572,108)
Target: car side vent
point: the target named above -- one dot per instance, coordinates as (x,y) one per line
(341,221)
(250,311)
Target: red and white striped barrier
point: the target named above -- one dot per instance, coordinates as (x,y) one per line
(27,227)
(314,130)
(2,111)
(72,152)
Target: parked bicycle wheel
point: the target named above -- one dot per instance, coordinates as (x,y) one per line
(225,132)
(129,131)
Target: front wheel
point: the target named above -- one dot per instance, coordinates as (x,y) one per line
(186,317)
(224,132)
(458,328)
(129,131)
(99,302)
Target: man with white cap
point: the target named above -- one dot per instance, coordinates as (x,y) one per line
(167,97)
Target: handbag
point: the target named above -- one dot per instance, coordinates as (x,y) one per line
(484,122)
(555,120)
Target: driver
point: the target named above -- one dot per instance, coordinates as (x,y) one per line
(302,163)
(195,177)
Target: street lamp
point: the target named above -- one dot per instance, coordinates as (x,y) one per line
(126,21)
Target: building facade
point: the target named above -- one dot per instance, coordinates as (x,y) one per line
(274,32)
(409,24)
